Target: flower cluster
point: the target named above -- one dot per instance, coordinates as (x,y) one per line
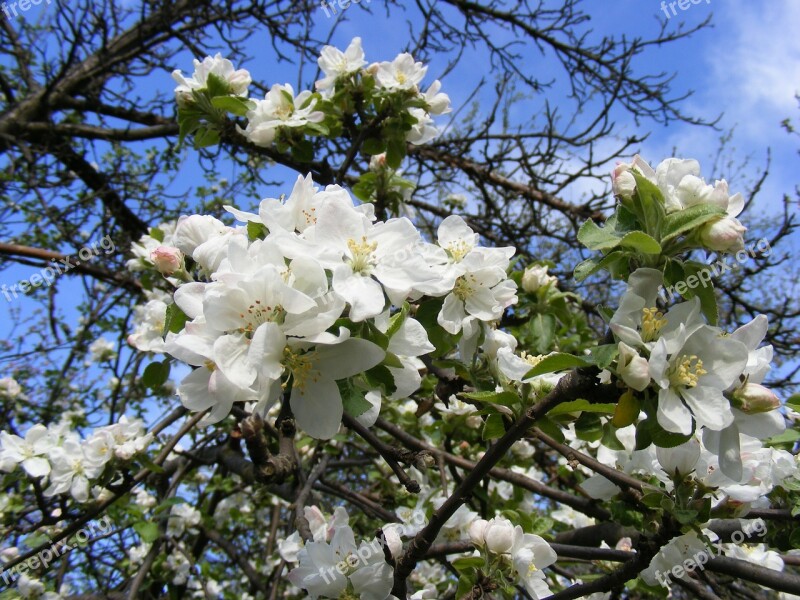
(318,302)
(331,565)
(383,99)
(69,463)
(682,188)
(526,553)
(702,379)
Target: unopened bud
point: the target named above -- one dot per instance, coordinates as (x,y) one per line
(723,235)
(753,398)
(167,259)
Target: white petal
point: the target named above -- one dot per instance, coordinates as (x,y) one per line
(351,357)
(710,408)
(318,408)
(672,414)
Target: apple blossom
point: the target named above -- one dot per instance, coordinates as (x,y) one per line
(280,108)
(400,74)
(335,63)
(237,80)
(680,460)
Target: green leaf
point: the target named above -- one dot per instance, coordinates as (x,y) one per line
(157,234)
(787,437)
(589,427)
(168,503)
(794,401)
(688,219)
(395,152)
(702,289)
(427,314)
(156,374)
(556,362)
(542,526)
(609,439)
(468,563)
(174,320)
(217,86)
(392,360)
(652,431)
(653,499)
(256,231)
(353,399)
(397,320)
(303,151)
(604,355)
(581,406)
(147,530)
(597,238)
(373,146)
(494,427)
(551,428)
(685,515)
(613,261)
(466,582)
(380,376)
(205,137)
(543,331)
(503,398)
(232,104)
(648,205)
(640,241)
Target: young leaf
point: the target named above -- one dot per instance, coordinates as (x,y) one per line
(597,238)
(556,362)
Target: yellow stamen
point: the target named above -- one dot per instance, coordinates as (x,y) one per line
(652,323)
(687,371)
(363,259)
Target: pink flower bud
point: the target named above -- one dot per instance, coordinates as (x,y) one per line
(167,259)
(723,235)
(753,398)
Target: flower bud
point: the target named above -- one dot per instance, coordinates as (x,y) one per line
(167,259)
(474,422)
(753,398)
(476,531)
(633,368)
(680,460)
(535,277)
(377,162)
(723,235)
(499,535)
(622,182)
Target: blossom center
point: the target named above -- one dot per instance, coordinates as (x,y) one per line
(464,288)
(652,323)
(301,367)
(458,250)
(257,314)
(687,371)
(363,259)
(532,359)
